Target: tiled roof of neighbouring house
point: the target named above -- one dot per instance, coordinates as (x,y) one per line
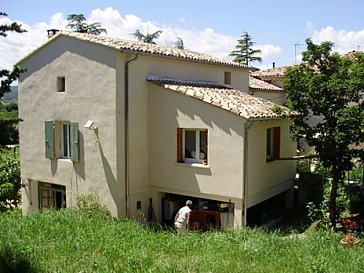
(271,72)
(255,83)
(146,49)
(232,100)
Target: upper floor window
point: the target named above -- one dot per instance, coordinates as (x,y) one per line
(61,140)
(273,143)
(61,84)
(227,77)
(192,145)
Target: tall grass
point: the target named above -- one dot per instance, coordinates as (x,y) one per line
(70,241)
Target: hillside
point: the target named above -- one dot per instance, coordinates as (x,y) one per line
(11,96)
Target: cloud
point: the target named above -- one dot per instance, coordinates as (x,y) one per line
(344,41)
(208,41)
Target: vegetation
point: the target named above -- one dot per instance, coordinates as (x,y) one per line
(244,52)
(179,43)
(329,86)
(7,76)
(76,22)
(9,180)
(69,241)
(8,121)
(147,38)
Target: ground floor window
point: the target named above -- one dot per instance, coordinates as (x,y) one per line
(52,195)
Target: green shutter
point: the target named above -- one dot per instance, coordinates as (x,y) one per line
(49,139)
(74,142)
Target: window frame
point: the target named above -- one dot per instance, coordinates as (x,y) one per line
(273,143)
(53,192)
(181,146)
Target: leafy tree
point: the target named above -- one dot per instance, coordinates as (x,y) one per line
(244,52)
(329,86)
(6,75)
(148,38)
(76,22)
(179,43)
(9,182)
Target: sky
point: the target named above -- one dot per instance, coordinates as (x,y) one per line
(279,28)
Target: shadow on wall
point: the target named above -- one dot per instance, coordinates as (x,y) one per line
(14,261)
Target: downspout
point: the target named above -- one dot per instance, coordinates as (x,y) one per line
(126,132)
(248,125)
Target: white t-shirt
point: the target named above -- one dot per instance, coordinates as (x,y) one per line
(182,216)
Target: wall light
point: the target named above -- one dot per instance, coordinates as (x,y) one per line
(89,125)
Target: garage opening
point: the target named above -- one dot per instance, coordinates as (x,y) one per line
(206,214)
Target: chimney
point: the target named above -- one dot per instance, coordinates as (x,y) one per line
(52,32)
(274,65)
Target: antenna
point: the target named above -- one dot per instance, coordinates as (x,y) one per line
(296,45)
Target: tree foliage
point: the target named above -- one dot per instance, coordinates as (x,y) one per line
(244,52)
(76,22)
(9,182)
(329,86)
(6,75)
(179,43)
(147,38)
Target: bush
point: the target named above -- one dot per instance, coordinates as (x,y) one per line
(9,182)
(90,204)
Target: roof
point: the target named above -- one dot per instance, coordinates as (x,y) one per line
(255,83)
(277,72)
(141,48)
(235,101)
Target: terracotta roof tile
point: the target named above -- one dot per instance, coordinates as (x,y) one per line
(232,100)
(271,72)
(148,49)
(255,83)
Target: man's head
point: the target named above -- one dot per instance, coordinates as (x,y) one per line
(189,203)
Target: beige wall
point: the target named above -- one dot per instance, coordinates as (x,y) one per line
(90,76)
(276,97)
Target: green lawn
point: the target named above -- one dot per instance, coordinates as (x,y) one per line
(69,241)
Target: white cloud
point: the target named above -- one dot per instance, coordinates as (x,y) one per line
(344,40)
(208,41)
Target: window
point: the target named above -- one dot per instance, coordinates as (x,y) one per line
(227,78)
(61,84)
(65,135)
(192,145)
(51,195)
(273,143)
(66,140)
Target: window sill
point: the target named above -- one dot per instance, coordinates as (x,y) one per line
(193,165)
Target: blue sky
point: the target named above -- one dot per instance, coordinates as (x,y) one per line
(210,27)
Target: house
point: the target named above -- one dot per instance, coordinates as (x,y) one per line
(267,91)
(145,127)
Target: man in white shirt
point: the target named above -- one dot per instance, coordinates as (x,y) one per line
(182,219)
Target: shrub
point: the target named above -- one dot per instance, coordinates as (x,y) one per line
(90,204)
(9,182)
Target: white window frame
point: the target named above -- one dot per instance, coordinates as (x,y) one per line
(196,157)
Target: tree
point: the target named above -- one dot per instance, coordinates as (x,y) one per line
(9,182)
(244,52)
(76,22)
(179,43)
(7,76)
(329,86)
(148,38)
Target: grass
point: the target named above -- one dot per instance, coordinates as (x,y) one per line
(70,241)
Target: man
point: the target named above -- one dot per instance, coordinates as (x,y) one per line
(182,219)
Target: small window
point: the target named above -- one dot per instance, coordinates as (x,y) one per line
(61,84)
(139,205)
(227,78)
(192,145)
(273,143)
(51,195)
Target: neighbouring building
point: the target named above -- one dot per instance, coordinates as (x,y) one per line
(146,127)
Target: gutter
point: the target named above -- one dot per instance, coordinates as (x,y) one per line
(126,133)
(245,170)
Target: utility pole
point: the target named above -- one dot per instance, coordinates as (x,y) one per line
(296,45)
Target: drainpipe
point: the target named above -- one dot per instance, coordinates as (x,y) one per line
(248,125)
(126,132)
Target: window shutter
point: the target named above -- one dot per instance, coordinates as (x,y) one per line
(276,142)
(49,139)
(74,141)
(179,144)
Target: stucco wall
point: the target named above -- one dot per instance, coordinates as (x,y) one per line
(90,74)
(267,179)
(276,97)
